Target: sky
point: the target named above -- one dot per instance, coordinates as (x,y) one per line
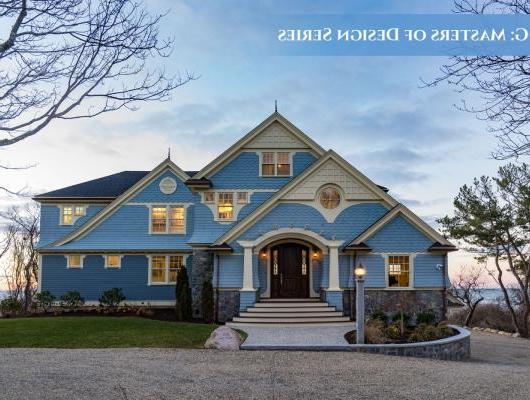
(371,110)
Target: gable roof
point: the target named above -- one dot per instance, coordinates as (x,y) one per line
(227,155)
(107,187)
(273,200)
(400,209)
(165,165)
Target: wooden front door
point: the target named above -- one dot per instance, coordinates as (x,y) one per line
(290,271)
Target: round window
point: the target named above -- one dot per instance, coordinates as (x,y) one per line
(168,185)
(330,198)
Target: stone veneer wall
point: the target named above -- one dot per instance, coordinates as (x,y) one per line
(454,348)
(228,304)
(201,270)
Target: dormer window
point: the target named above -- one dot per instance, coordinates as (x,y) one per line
(225,207)
(275,163)
(70,213)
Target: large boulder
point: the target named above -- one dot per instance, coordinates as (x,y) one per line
(224,338)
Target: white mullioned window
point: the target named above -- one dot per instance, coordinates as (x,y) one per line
(113,261)
(71,213)
(167,219)
(164,269)
(74,261)
(275,163)
(242,197)
(225,206)
(209,197)
(398,271)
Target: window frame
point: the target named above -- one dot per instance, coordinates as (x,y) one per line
(275,163)
(212,201)
(167,268)
(218,204)
(239,201)
(108,266)
(74,215)
(68,263)
(168,208)
(411,271)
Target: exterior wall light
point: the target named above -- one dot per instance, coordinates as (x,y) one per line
(264,254)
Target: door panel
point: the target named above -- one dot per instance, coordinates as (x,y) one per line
(290,271)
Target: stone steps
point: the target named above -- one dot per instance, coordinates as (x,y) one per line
(290,311)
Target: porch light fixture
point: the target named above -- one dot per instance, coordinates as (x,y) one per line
(315,253)
(263,254)
(360,271)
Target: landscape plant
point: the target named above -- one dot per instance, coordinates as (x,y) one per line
(72,300)
(207,301)
(112,298)
(183,296)
(44,300)
(10,305)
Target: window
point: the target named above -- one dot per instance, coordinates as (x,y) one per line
(113,261)
(283,167)
(167,219)
(67,215)
(304,262)
(398,271)
(329,198)
(267,164)
(225,207)
(71,213)
(164,269)
(242,197)
(74,261)
(275,262)
(209,197)
(275,164)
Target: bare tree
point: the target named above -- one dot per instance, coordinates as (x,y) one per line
(503,83)
(467,286)
(19,254)
(69,59)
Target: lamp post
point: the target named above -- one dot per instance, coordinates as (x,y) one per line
(360,272)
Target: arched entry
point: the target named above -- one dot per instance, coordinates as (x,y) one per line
(289,270)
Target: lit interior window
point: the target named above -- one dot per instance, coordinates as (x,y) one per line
(113,261)
(209,197)
(267,164)
(67,217)
(329,198)
(398,271)
(158,219)
(175,264)
(242,197)
(225,208)
(79,211)
(176,220)
(74,261)
(158,269)
(284,165)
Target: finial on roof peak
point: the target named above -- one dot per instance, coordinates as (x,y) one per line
(275,106)
(169,153)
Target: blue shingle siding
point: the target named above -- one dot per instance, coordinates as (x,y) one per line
(324,279)
(93,278)
(399,235)
(246,299)
(262,274)
(375,270)
(243,172)
(349,224)
(426,273)
(344,271)
(152,194)
(230,271)
(334,299)
(317,275)
(50,216)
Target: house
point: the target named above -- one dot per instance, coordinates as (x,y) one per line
(275,216)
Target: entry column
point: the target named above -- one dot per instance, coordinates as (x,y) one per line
(247,294)
(334,292)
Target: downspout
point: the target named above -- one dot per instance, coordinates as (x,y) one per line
(216,268)
(444,295)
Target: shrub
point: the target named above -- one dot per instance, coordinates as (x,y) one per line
(486,316)
(424,333)
(45,300)
(374,332)
(379,315)
(183,296)
(400,314)
(72,300)
(426,317)
(112,298)
(10,305)
(393,331)
(207,304)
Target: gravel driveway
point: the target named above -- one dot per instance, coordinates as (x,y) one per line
(182,374)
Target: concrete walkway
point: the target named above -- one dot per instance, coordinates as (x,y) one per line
(295,337)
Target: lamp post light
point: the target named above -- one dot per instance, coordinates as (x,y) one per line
(360,272)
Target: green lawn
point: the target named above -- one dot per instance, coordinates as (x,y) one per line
(98,332)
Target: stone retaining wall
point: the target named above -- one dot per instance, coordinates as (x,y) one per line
(454,348)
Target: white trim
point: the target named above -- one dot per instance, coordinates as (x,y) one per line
(167,255)
(410,217)
(106,261)
(166,165)
(233,150)
(39,274)
(237,207)
(167,205)
(273,200)
(291,233)
(81,261)
(411,257)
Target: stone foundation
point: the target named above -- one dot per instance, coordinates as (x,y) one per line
(201,270)
(412,301)
(415,301)
(228,305)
